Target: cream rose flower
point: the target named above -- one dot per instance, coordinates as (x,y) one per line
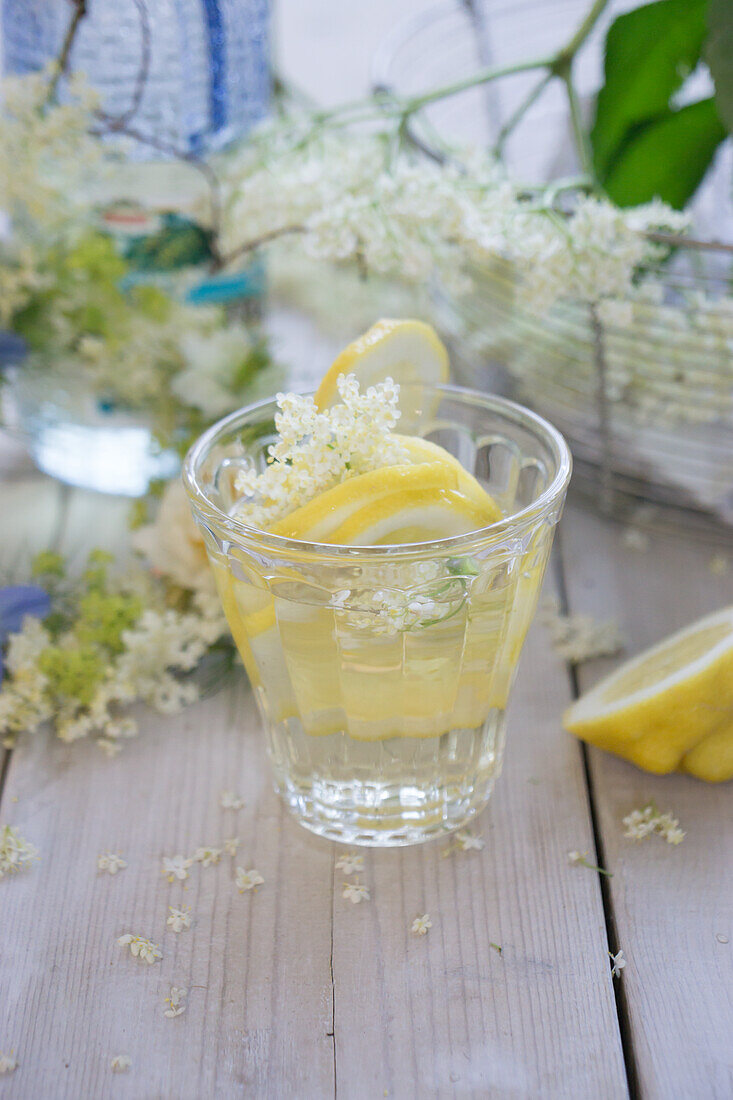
(173,544)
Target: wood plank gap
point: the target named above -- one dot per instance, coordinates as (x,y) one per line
(622,1007)
(333,987)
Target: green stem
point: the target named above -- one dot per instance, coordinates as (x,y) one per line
(568,52)
(518,114)
(581,138)
(416,103)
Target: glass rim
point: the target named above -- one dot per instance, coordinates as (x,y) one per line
(511,410)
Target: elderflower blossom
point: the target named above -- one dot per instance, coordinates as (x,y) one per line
(420,925)
(16,853)
(350,198)
(618,963)
(179,919)
(120,1063)
(420,594)
(316,450)
(175,867)
(580,637)
(81,688)
(642,823)
(355,892)
(47,154)
(111,862)
(228,800)
(467,842)
(141,947)
(350,864)
(247,880)
(175,1000)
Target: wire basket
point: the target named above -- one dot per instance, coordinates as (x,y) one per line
(642,389)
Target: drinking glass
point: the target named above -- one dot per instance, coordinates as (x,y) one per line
(382,673)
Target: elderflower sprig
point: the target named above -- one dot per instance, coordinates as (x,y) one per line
(642,823)
(316,450)
(108,641)
(580,637)
(580,859)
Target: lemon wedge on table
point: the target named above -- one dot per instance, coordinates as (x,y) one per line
(671,707)
(405,351)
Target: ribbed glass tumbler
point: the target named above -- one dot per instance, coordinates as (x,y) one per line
(382,673)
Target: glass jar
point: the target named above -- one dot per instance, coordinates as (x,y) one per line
(382,673)
(181,81)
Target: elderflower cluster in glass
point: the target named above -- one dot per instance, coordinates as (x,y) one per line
(382,673)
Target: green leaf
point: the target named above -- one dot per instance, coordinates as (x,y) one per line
(719,56)
(668,157)
(649,53)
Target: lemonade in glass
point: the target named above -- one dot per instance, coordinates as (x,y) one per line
(379,582)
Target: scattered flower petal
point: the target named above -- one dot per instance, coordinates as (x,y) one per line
(111,862)
(231,844)
(174,1002)
(16,853)
(350,864)
(421,924)
(120,1063)
(7,1063)
(207,856)
(175,867)
(619,962)
(179,918)
(228,800)
(467,842)
(247,880)
(141,947)
(355,892)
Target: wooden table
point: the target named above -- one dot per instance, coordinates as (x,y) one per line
(295,992)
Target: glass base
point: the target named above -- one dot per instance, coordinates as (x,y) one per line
(389,793)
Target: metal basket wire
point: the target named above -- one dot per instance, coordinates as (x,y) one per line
(643,392)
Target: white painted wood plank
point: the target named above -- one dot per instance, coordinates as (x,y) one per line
(672,906)
(257,966)
(446,1015)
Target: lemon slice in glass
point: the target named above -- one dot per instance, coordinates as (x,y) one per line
(363,510)
(671,707)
